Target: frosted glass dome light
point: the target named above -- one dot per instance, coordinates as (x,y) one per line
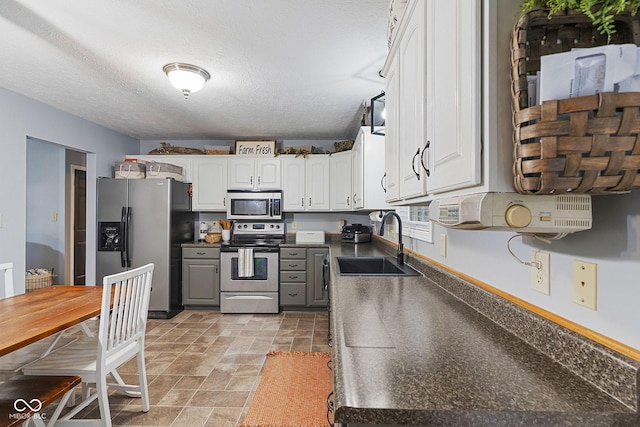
(186,78)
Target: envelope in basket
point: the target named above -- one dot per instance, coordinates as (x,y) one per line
(582,72)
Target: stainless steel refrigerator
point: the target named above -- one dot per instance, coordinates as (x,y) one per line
(142,221)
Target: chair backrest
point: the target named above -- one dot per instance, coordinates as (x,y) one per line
(6,270)
(125,322)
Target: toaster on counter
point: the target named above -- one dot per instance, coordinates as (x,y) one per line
(356,233)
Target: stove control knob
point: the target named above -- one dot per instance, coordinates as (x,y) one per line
(278,226)
(271,225)
(245,226)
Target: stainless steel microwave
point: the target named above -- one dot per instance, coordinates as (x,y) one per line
(252,205)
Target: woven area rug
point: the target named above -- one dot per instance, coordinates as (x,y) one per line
(292,392)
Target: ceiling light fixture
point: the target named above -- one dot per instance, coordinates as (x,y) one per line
(186,78)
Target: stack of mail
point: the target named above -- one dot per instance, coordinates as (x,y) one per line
(581,72)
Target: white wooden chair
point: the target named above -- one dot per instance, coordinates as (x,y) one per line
(6,269)
(120,338)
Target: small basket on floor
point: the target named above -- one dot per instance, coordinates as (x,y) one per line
(38,281)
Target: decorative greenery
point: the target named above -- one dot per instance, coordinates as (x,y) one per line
(601,12)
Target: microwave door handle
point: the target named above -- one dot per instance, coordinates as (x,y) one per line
(270,207)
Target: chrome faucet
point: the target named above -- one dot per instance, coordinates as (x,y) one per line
(400,254)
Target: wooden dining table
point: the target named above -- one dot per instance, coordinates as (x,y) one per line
(30,317)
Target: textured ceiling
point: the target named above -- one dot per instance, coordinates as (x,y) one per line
(285,69)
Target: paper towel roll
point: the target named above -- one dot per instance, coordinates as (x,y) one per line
(376,216)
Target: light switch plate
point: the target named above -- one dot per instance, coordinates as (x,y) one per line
(585,284)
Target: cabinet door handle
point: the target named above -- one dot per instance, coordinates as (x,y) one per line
(293,277)
(293,295)
(292,254)
(259,180)
(309,201)
(347,200)
(384,177)
(224,201)
(293,265)
(201,253)
(251,180)
(426,169)
(413,164)
(302,201)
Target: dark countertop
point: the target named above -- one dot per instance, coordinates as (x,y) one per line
(405,351)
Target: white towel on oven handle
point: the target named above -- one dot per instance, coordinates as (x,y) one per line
(245,262)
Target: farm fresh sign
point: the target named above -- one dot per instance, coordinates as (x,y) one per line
(256,148)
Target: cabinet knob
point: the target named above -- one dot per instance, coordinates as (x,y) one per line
(293,295)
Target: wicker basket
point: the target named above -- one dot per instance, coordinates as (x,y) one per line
(589,144)
(39,281)
(212,237)
(343,145)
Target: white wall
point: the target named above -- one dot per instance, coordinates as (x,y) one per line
(613,244)
(22,118)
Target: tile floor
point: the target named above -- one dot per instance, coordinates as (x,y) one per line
(203,366)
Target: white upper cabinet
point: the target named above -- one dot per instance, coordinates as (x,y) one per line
(340,181)
(317,183)
(293,183)
(368,171)
(254,173)
(391,146)
(411,102)
(209,183)
(305,183)
(454,98)
(445,125)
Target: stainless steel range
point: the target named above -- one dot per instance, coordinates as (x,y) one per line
(249,277)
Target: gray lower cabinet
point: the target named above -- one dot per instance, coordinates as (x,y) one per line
(201,276)
(316,296)
(301,277)
(293,277)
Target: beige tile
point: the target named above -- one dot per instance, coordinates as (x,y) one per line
(241,383)
(158,416)
(219,398)
(190,382)
(224,417)
(175,397)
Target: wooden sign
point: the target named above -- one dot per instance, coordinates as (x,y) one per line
(256,148)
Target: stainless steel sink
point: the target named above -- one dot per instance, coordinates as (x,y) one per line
(372,266)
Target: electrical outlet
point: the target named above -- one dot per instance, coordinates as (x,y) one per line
(443,245)
(54,217)
(541,277)
(294,225)
(585,284)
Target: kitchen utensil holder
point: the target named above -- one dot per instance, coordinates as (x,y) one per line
(589,144)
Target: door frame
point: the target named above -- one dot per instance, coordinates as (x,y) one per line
(72,213)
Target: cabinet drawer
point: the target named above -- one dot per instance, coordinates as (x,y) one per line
(200,252)
(293,264)
(293,276)
(296,253)
(292,294)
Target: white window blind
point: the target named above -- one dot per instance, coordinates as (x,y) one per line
(415,222)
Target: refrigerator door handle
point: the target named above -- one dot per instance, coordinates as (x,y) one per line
(127,239)
(123,230)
